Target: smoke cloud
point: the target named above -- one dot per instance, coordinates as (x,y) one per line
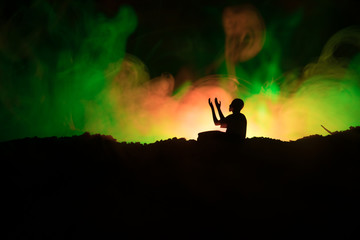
(73,75)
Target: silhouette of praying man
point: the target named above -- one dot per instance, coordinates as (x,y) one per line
(235,123)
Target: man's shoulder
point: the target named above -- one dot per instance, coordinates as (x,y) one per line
(236,115)
(230,116)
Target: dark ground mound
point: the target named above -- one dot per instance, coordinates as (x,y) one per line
(92,186)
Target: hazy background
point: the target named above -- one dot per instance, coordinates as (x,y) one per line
(144,71)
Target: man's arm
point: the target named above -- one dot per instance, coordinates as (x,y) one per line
(218,105)
(216,121)
(222,122)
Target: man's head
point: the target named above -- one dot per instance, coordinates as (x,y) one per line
(236,105)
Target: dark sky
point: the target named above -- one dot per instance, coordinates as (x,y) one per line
(171,34)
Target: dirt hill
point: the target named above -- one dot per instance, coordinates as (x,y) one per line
(93,186)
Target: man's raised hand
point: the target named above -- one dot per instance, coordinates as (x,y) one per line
(210,103)
(217,103)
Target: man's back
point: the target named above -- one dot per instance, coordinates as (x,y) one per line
(236,125)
